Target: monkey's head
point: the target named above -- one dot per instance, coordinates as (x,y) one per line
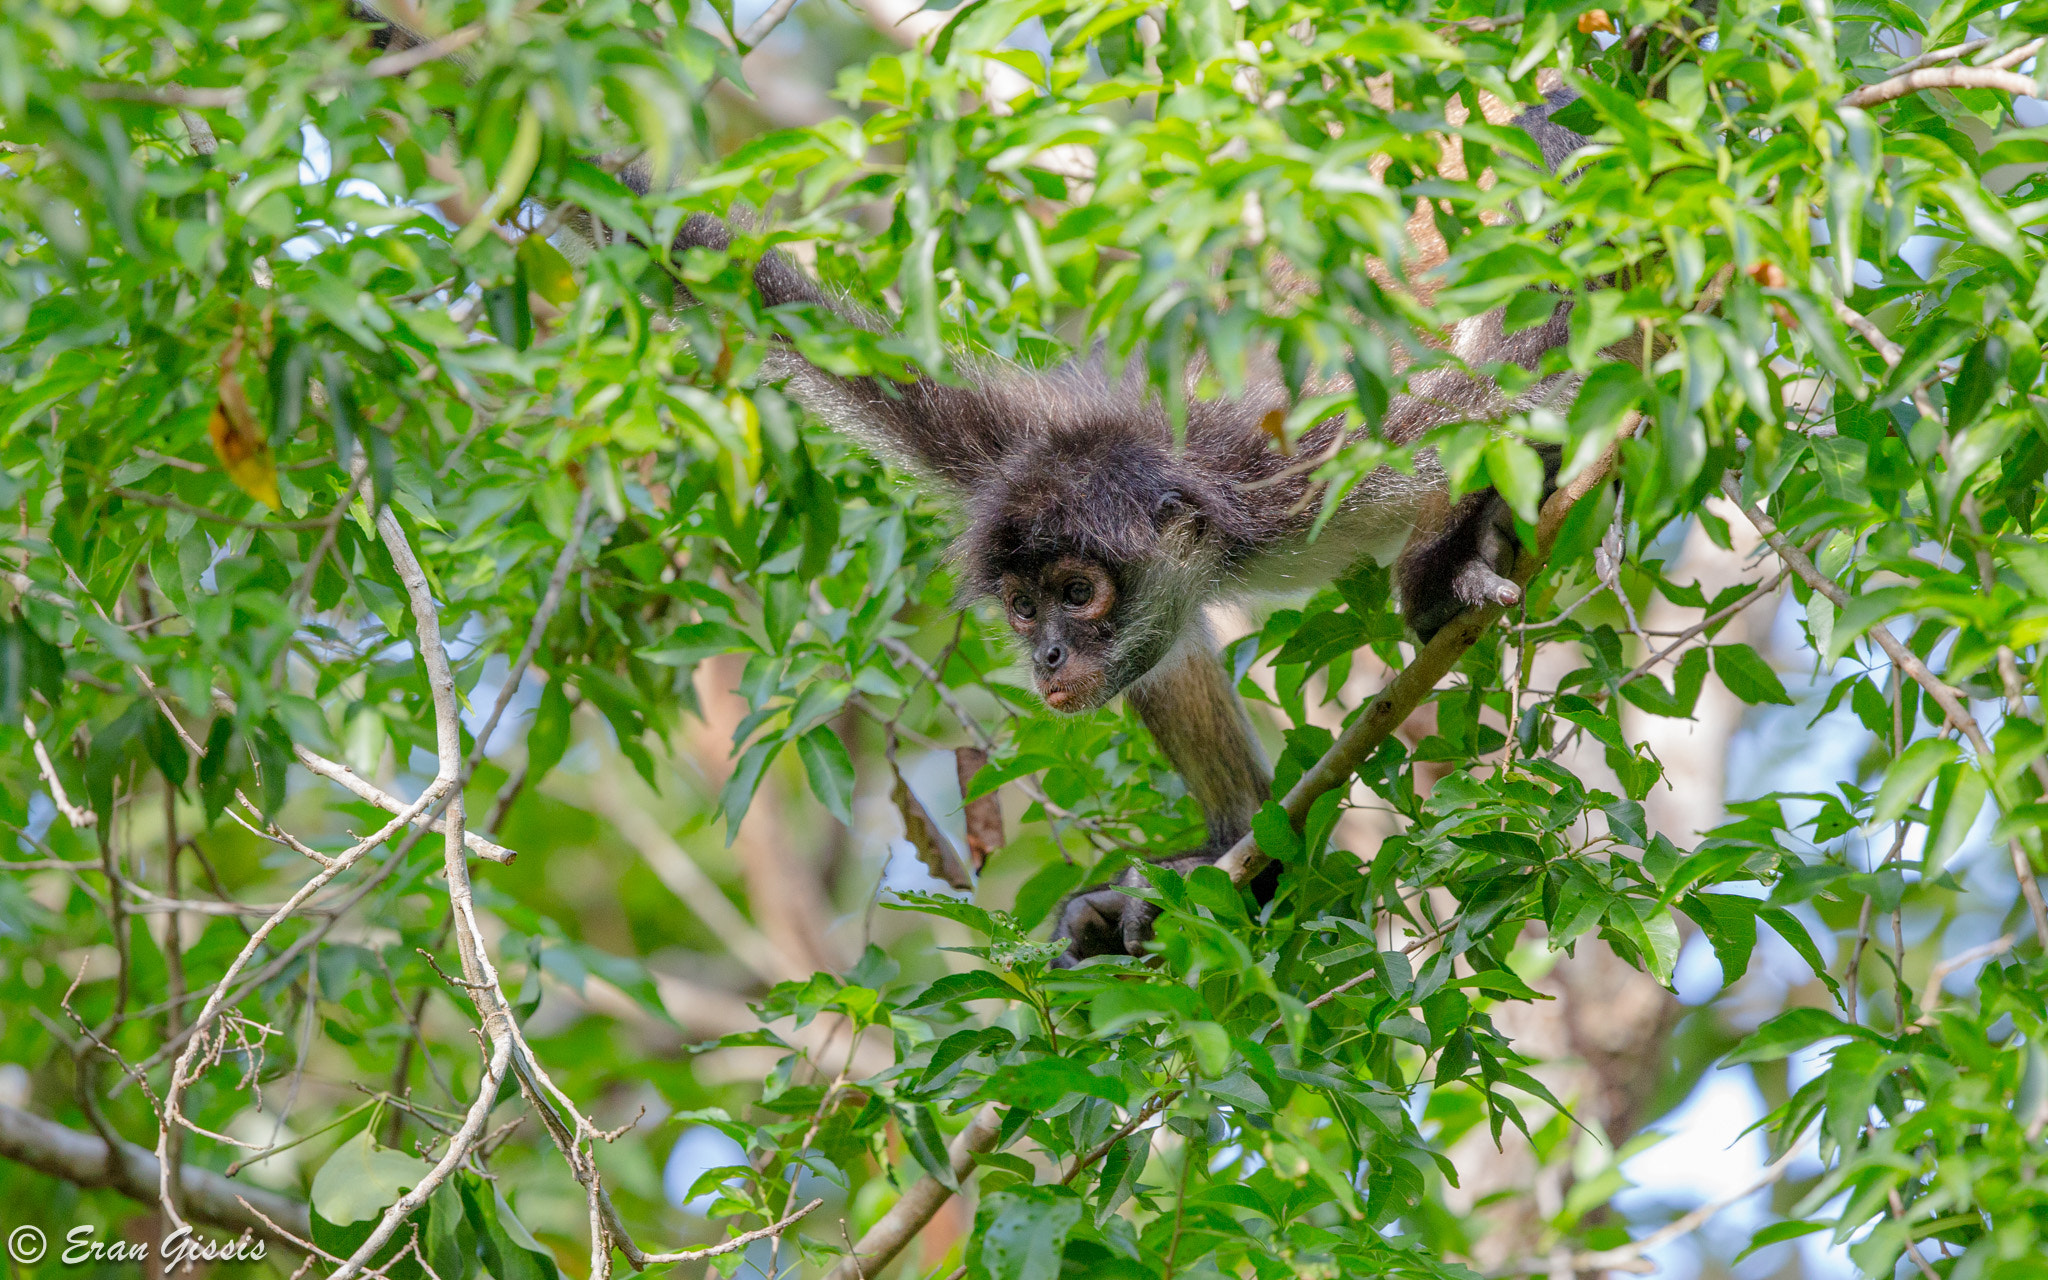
(1097,547)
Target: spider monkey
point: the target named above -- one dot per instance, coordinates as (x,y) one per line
(1103,542)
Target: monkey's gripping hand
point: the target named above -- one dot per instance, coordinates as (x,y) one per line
(1106,920)
(1463,565)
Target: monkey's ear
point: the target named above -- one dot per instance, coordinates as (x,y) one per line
(1176,510)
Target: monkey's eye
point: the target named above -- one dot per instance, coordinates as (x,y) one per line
(1021,606)
(1079,592)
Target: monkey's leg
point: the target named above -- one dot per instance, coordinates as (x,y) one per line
(1200,723)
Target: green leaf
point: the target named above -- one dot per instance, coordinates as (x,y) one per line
(921,1134)
(1864,610)
(1038,1085)
(361,1180)
(693,642)
(1037,896)
(955,988)
(1517,474)
(507,1250)
(737,796)
(1748,676)
(1023,1230)
(1908,776)
(1788,927)
(548,737)
(830,770)
(1959,794)
(1729,922)
(1786,1034)
(216,769)
(1211,1045)
(548,273)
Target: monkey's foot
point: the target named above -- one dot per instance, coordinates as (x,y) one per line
(1104,920)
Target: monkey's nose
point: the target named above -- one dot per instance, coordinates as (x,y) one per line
(1051,657)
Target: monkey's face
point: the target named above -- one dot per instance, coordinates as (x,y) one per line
(1064,614)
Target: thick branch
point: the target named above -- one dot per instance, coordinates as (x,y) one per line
(83,1160)
(1940,78)
(1406,691)
(908,1216)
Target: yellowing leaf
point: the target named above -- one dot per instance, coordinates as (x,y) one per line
(244,453)
(1274,424)
(547,272)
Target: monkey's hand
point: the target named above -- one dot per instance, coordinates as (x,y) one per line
(1107,920)
(1091,922)
(1461,566)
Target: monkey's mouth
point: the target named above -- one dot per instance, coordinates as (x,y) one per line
(1071,693)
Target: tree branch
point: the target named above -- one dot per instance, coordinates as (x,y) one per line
(908,1216)
(1406,691)
(85,1161)
(1629,1257)
(764,26)
(349,779)
(1940,78)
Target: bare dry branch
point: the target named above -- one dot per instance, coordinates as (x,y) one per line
(335,771)
(1948,54)
(733,1245)
(764,26)
(190,1062)
(1939,974)
(70,812)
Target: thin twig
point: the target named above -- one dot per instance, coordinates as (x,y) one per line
(1950,54)
(397,64)
(733,1245)
(1931,993)
(1916,670)
(764,26)
(908,1216)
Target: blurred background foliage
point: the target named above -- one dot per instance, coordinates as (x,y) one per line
(1708,834)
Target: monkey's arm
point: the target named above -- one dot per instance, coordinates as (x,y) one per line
(1460,555)
(1198,720)
(952,432)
